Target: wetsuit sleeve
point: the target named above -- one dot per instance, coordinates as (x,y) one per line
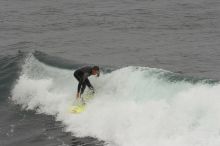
(89,84)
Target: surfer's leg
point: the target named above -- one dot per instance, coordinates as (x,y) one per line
(78,79)
(81,92)
(83,87)
(77,76)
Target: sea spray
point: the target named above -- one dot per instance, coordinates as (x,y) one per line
(133,106)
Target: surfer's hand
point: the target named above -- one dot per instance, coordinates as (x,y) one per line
(91,88)
(93,91)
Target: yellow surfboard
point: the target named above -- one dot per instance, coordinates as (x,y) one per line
(79,108)
(76,109)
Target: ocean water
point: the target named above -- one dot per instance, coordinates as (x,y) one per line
(159,84)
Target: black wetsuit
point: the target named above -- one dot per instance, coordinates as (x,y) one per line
(82,75)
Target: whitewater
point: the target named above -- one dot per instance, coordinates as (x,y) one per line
(133,106)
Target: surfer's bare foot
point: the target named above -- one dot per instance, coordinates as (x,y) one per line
(83,101)
(77,95)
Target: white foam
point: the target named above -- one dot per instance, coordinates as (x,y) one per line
(133,106)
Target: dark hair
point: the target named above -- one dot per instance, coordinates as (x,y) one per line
(96,68)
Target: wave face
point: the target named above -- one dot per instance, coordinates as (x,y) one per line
(134,106)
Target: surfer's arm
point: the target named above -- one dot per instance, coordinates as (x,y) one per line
(89,84)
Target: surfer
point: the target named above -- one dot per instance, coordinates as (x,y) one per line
(82,75)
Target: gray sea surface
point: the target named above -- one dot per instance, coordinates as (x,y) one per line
(180,36)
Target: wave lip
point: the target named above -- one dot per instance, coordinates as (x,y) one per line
(134,106)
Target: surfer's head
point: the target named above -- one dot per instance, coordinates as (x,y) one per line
(95,71)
